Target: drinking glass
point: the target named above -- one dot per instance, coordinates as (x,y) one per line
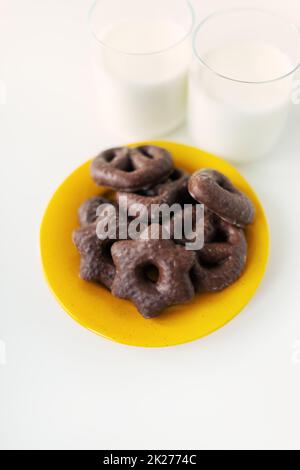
(141,54)
(240,82)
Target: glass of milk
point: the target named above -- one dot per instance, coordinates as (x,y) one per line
(142,51)
(240,82)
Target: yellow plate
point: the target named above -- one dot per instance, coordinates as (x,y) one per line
(96,309)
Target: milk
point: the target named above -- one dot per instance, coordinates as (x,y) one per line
(239,121)
(143,94)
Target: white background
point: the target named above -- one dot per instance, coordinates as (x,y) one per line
(64,387)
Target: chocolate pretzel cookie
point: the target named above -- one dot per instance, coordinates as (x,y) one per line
(132,169)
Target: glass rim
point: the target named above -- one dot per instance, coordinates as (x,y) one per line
(161,51)
(244,10)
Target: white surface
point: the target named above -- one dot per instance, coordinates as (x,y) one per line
(64,387)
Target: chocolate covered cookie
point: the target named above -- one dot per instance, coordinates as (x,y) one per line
(153,274)
(219,195)
(220,263)
(87,212)
(132,169)
(96,262)
(168,192)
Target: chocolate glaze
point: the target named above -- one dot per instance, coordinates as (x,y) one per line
(132,169)
(209,224)
(168,192)
(87,212)
(221,262)
(96,263)
(134,258)
(217,192)
(158,273)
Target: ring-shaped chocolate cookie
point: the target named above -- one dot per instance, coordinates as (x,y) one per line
(153,274)
(132,169)
(220,263)
(217,192)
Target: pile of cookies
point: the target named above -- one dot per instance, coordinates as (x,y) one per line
(157,273)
